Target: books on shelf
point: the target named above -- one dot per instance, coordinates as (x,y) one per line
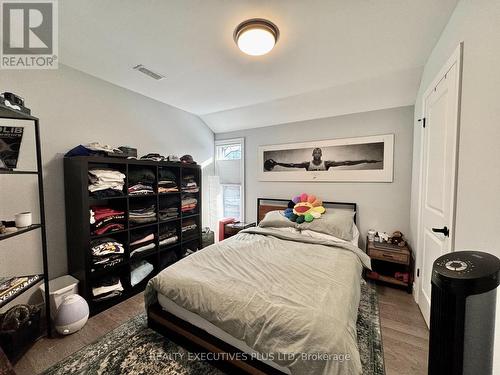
(12,286)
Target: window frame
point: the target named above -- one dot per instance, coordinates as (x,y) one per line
(241,142)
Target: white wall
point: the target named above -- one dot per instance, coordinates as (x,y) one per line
(75,108)
(384,206)
(477,24)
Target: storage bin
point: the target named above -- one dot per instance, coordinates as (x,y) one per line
(16,342)
(58,289)
(207,237)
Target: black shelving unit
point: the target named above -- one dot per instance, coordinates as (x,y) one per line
(13,114)
(78,229)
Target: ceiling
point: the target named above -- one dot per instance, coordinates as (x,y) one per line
(333,56)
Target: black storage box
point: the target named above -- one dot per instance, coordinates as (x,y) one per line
(15,343)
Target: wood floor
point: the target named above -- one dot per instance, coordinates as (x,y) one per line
(47,352)
(404,335)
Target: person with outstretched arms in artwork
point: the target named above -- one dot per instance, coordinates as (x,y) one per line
(317,163)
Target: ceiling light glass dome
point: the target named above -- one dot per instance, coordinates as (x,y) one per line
(256,37)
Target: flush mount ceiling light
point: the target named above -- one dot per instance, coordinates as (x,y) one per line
(256,36)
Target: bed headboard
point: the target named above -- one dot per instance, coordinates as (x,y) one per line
(264,205)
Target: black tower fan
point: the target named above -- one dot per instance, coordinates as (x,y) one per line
(463,305)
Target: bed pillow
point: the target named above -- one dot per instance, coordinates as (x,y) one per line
(311,233)
(276,219)
(336,223)
(355,235)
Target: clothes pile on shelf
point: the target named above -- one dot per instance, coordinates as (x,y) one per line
(187,159)
(189,184)
(141,181)
(105,220)
(141,241)
(169,207)
(168,235)
(189,226)
(188,203)
(106,288)
(139,271)
(106,252)
(138,214)
(97,149)
(157,157)
(105,182)
(153,157)
(167,181)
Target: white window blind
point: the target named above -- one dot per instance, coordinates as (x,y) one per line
(229,167)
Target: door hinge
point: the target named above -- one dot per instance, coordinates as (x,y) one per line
(422,120)
(418,272)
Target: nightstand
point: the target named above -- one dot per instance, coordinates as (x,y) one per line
(233,228)
(391,264)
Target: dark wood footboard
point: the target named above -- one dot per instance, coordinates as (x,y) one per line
(196,340)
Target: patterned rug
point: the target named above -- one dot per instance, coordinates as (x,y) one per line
(135,349)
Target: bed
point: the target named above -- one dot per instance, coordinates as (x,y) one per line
(270,300)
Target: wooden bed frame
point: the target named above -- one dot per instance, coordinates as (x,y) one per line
(197,340)
(281,204)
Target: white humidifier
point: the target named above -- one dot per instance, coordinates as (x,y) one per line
(72,314)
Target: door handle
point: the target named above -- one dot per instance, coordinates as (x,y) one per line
(443,230)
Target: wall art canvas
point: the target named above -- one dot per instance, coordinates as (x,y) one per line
(360,159)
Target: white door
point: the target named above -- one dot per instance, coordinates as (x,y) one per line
(438,174)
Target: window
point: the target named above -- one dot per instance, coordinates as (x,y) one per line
(229,152)
(229,167)
(231,201)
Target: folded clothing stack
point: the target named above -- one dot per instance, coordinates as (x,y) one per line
(105,182)
(106,288)
(168,236)
(138,215)
(139,271)
(105,219)
(153,156)
(141,241)
(189,184)
(141,181)
(106,252)
(97,149)
(169,207)
(167,181)
(188,226)
(188,203)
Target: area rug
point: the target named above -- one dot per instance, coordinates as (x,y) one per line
(135,349)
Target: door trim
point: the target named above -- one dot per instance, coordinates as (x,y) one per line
(455,58)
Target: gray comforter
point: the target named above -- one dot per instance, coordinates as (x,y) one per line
(294,299)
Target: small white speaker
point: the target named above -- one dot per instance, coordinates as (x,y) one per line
(71,315)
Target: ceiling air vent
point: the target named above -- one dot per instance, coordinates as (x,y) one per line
(141,68)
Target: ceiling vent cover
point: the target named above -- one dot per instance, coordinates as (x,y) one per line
(141,68)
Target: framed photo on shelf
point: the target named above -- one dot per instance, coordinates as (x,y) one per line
(360,159)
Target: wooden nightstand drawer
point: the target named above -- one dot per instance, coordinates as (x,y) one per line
(389,256)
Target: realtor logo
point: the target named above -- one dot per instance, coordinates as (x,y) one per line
(29,34)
